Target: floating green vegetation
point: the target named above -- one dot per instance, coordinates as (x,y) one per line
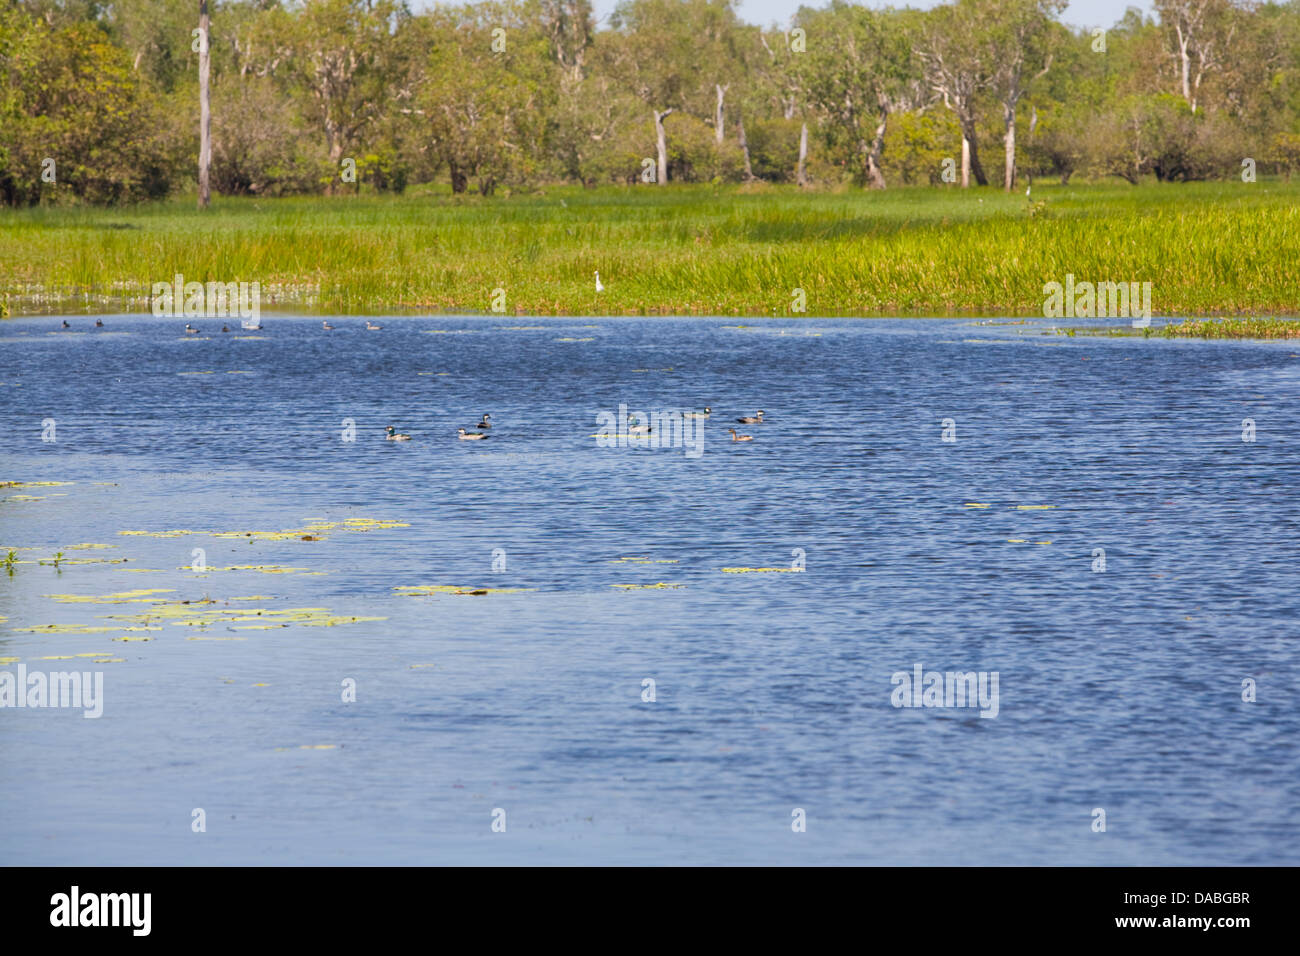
(309,532)
(34,484)
(1023,541)
(760,570)
(138,596)
(259,568)
(1245,328)
(638,560)
(659,586)
(419,590)
(76,629)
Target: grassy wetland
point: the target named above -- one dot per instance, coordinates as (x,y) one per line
(1210,250)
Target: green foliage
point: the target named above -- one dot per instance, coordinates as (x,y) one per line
(1207,248)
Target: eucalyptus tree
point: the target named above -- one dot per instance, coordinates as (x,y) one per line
(856,74)
(957,70)
(344,57)
(1020,42)
(661,56)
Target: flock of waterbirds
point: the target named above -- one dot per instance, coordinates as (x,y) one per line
(634,428)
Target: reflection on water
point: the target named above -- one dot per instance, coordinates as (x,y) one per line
(1119,689)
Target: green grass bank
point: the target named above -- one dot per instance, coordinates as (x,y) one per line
(1209,249)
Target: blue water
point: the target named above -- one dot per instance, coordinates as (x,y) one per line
(1119,690)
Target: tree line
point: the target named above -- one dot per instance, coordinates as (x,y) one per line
(128,100)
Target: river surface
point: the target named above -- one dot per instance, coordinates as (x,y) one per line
(228,735)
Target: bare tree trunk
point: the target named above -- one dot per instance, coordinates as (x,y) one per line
(801,171)
(1009,173)
(661,144)
(718,125)
(205,108)
(875,177)
(970,152)
(744,149)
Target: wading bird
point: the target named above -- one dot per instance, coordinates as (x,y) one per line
(599,287)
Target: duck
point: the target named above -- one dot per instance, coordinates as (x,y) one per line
(225,328)
(634,429)
(189,329)
(372,327)
(394,435)
(326,326)
(752,420)
(484,422)
(65,324)
(99,323)
(735,437)
(599,286)
(703,414)
(470,436)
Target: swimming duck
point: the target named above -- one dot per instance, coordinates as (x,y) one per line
(326,326)
(634,429)
(99,323)
(735,437)
(470,436)
(372,327)
(703,414)
(751,420)
(65,324)
(225,328)
(484,422)
(394,435)
(189,329)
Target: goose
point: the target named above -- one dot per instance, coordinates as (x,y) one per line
(470,436)
(484,422)
(326,326)
(634,429)
(394,435)
(754,420)
(372,327)
(189,329)
(735,437)
(599,287)
(703,414)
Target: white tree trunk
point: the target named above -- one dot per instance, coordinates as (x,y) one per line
(661,144)
(801,171)
(965,162)
(205,108)
(1009,173)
